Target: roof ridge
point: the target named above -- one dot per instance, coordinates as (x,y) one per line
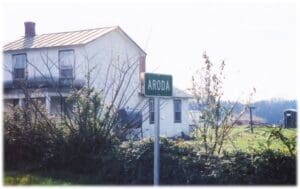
(116,26)
(23,37)
(66,38)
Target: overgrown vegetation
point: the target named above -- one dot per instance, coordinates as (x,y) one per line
(83,137)
(82,144)
(30,141)
(46,153)
(88,146)
(181,164)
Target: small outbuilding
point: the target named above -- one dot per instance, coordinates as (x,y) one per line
(290,118)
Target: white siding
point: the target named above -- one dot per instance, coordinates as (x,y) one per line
(41,62)
(168,128)
(99,54)
(113,48)
(109,49)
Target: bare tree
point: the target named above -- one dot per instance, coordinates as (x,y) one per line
(216,121)
(93,108)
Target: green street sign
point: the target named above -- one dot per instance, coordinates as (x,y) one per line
(158,85)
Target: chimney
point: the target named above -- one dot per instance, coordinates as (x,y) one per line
(142,62)
(29,29)
(142,66)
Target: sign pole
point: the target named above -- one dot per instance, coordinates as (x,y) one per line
(156,142)
(156,86)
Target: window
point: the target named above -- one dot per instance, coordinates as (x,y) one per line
(19,66)
(66,106)
(66,64)
(10,102)
(15,102)
(151,111)
(130,119)
(177,111)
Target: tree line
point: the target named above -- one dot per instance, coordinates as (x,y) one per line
(271,110)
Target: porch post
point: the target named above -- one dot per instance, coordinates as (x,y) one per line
(48,103)
(21,102)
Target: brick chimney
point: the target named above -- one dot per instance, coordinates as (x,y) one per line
(142,69)
(29,29)
(142,62)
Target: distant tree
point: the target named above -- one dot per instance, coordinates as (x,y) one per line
(272,110)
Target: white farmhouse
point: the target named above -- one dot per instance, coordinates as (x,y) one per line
(65,60)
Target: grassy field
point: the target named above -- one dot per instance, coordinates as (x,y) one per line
(47,178)
(243,140)
(18,178)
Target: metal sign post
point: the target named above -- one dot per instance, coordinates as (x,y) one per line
(157,85)
(156,142)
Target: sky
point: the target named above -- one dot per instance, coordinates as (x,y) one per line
(257,40)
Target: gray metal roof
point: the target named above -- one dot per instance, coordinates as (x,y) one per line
(58,39)
(180,93)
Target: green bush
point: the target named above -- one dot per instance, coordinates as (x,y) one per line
(81,143)
(180,164)
(29,140)
(267,167)
(36,143)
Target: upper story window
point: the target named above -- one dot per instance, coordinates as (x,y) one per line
(177,111)
(66,64)
(19,66)
(151,111)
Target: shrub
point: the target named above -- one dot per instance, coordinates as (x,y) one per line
(82,142)
(267,167)
(33,141)
(179,164)
(29,139)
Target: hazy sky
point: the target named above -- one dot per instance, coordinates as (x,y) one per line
(256,40)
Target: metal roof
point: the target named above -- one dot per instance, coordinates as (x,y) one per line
(180,93)
(59,39)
